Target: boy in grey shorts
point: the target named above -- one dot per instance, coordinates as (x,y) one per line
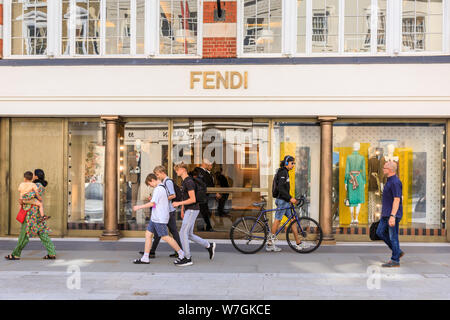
(158,222)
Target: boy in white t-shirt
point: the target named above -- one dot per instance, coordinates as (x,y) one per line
(159,219)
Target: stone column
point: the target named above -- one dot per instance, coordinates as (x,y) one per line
(111,229)
(326,178)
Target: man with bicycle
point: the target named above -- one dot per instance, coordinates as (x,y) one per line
(281,190)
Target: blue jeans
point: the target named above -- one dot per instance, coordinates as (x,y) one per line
(390,236)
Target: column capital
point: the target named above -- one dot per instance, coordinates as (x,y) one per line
(327,119)
(111,118)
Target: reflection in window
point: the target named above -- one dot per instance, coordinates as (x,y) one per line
(301,26)
(360,152)
(143,147)
(28,27)
(118,27)
(262,26)
(422,23)
(302,141)
(87,27)
(140,26)
(357,25)
(178,27)
(86,173)
(238,152)
(325,26)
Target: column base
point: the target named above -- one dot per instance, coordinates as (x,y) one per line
(329,240)
(110,236)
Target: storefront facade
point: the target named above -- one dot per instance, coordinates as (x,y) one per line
(97,120)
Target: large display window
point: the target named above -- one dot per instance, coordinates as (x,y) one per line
(360,151)
(143,146)
(237,153)
(302,141)
(86,169)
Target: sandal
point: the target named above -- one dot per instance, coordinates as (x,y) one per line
(49,257)
(139,261)
(11,257)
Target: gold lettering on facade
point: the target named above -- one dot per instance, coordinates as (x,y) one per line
(207,79)
(219,80)
(194,78)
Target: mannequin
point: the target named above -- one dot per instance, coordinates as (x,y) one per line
(355,179)
(388,157)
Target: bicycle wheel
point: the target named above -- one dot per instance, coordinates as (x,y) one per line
(248,235)
(309,233)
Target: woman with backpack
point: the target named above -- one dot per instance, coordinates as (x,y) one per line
(189,212)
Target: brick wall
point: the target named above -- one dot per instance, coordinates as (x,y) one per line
(219,34)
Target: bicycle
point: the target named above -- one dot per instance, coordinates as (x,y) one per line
(249,234)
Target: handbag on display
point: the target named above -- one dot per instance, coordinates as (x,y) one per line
(373,231)
(21,215)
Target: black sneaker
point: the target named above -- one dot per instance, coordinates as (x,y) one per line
(211,250)
(174,255)
(391,264)
(183,262)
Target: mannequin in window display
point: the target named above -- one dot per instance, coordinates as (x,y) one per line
(388,157)
(374,186)
(133,176)
(355,180)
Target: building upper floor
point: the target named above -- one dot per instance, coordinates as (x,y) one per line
(223,29)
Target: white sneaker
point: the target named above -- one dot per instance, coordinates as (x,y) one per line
(301,246)
(273,248)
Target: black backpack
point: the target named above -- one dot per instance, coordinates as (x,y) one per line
(200,191)
(178,194)
(275,191)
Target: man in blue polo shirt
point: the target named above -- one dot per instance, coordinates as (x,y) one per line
(391,214)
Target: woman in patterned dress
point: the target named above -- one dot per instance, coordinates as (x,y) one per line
(34,225)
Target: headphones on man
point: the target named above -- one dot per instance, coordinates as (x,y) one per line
(288,159)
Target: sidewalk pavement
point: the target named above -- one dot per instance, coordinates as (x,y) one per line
(90,269)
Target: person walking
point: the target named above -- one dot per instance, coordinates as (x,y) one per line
(189,212)
(161,174)
(391,214)
(159,219)
(34,225)
(283,202)
(204,173)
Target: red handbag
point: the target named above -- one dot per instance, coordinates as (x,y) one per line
(21,215)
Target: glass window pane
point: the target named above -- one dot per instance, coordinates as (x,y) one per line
(262,26)
(238,153)
(178,27)
(357,28)
(422,25)
(301,26)
(302,141)
(325,26)
(118,27)
(360,151)
(86,174)
(143,147)
(28,27)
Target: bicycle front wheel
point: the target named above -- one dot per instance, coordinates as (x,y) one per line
(304,236)
(248,235)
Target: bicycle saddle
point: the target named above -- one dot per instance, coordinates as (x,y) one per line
(259,204)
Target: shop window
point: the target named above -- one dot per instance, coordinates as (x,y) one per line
(144,145)
(29,28)
(422,25)
(262,30)
(86,168)
(302,141)
(238,154)
(178,27)
(357,25)
(325,26)
(360,151)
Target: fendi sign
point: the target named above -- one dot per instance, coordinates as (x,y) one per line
(219,80)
